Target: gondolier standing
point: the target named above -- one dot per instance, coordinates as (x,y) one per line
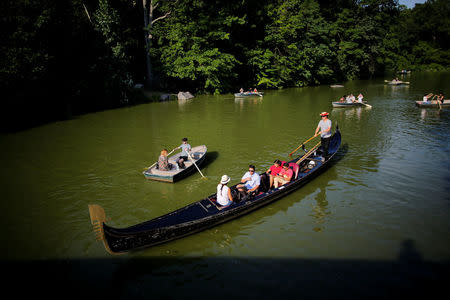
(325,133)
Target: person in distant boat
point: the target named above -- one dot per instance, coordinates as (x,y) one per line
(250,181)
(241,90)
(342,100)
(163,161)
(426,97)
(360,97)
(284,176)
(440,98)
(185,149)
(255,90)
(324,129)
(352,98)
(348,99)
(224,197)
(274,170)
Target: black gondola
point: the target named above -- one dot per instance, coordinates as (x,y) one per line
(206,213)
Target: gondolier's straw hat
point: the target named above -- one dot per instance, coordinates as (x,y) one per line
(323,114)
(225,179)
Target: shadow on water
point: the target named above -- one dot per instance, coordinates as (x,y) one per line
(210,157)
(222,277)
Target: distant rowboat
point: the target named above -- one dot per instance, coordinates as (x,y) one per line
(197,153)
(433,104)
(247,94)
(396,82)
(336,86)
(345,104)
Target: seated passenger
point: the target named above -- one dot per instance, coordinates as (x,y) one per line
(163,161)
(224,197)
(440,98)
(360,98)
(284,176)
(274,170)
(426,97)
(250,181)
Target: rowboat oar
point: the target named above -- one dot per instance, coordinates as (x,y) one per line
(193,161)
(290,154)
(367,105)
(437,100)
(157,162)
(308,153)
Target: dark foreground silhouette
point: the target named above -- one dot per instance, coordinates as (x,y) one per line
(125,277)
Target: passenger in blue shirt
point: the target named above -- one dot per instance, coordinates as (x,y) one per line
(250,181)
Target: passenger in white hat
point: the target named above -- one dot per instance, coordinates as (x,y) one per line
(224,197)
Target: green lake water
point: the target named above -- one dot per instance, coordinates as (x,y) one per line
(387,194)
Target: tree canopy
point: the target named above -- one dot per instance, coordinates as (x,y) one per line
(67,57)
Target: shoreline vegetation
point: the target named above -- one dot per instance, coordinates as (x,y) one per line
(66,58)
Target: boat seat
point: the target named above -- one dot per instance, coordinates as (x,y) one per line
(196,155)
(295,168)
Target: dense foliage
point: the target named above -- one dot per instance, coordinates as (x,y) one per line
(67,57)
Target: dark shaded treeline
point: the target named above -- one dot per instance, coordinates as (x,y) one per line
(63,58)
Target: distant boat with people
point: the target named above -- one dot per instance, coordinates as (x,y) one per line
(433,104)
(396,81)
(249,93)
(175,173)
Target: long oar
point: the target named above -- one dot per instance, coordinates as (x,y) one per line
(438,102)
(367,105)
(308,153)
(290,154)
(193,161)
(157,162)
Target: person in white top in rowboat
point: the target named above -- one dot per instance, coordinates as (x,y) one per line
(426,97)
(360,98)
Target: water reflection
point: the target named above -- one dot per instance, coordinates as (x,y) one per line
(319,211)
(426,113)
(349,112)
(249,101)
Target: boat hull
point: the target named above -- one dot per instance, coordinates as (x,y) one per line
(433,104)
(242,95)
(205,213)
(344,104)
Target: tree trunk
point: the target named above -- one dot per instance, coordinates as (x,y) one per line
(148,16)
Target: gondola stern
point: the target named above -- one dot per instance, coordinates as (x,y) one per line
(98,218)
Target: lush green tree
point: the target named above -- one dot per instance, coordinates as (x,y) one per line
(296,49)
(193,42)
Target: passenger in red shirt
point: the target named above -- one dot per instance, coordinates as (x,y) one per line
(274,170)
(284,176)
